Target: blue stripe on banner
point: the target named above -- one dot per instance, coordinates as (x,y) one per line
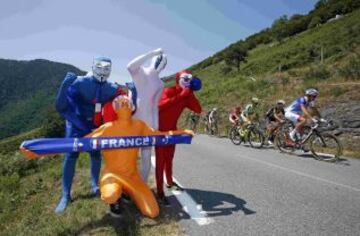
(63,145)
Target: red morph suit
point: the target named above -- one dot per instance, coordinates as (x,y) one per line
(172,102)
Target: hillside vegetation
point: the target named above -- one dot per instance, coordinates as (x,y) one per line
(284,69)
(27,93)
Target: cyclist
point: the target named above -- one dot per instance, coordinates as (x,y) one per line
(250,112)
(212,120)
(274,118)
(194,120)
(298,112)
(234,115)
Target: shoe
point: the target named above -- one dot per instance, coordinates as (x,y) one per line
(64,202)
(126,199)
(175,186)
(292,136)
(163,200)
(115,210)
(270,142)
(96,192)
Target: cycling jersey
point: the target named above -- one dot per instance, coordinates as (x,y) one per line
(295,107)
(212,116)
(249,110)
(270,115)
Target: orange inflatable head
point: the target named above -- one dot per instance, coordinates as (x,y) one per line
(123,107)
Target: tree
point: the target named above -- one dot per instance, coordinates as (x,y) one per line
(236,54)
(315,21)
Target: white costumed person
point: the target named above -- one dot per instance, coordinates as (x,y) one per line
(149,88)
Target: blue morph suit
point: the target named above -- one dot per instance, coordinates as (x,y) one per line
(76,101)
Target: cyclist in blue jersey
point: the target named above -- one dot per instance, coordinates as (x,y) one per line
(298,112)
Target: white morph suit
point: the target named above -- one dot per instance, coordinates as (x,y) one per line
(149,88)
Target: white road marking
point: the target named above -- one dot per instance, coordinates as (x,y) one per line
(188,204)
(304,174)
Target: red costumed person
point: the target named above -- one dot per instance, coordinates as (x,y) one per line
(172,102)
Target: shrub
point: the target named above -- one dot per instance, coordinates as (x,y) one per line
(352,69)
(317,72)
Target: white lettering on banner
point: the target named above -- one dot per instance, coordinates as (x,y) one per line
(112,143)
(94,144)
(104,142)
(138,142)
(122,143)
(130,142)
(75,145)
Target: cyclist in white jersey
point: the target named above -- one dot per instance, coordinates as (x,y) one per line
(297,112)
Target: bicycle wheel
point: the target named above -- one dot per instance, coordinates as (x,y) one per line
(256,138)
(235,136)
(283,142)
(325,147)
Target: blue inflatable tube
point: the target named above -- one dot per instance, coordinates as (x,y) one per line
(48,146)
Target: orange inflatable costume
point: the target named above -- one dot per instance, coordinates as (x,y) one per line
(120,173)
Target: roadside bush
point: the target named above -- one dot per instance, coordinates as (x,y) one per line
(352,69)
(318,72)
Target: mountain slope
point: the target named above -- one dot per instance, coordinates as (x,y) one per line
(28,90)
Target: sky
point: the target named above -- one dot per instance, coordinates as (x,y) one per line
(76,31)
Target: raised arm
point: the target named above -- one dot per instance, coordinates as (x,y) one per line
(136,63)
(150,131)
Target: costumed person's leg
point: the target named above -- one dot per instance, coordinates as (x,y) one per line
(69,165)
(95,171)
(170,150)
(111,189)
(159,169)
(169,169)
(68,171)
(141,195)
(145,163)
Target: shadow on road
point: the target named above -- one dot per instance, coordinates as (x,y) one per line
(214,203)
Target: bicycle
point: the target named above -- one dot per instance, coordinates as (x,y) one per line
(251,133)
(323,146)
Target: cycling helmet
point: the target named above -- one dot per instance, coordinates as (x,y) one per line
(255,100)
(312,92)
(214,109)
(281,102)
(237,109)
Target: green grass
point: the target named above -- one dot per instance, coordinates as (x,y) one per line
(299,58)
(28,203)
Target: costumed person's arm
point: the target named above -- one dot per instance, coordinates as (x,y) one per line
(147,130)
(193,104)
(100,132)
(66,102)
(168,98)
(136,64)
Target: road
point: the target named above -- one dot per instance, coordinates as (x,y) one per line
(244,191)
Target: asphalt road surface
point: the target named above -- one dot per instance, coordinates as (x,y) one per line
(245,191)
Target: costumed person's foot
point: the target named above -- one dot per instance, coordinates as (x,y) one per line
(115,209)
(126,199)
(96,192)
(64,202)
(163,200)
(175,186)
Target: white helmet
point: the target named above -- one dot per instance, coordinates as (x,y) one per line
(281,102)
(101,68)
(255,100)
(312,92)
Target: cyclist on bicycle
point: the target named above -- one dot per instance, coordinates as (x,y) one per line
(213,118)
(250,112)
(234,115)
(274,118)
(298,112)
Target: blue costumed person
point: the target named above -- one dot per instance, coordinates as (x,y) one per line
(79,101)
